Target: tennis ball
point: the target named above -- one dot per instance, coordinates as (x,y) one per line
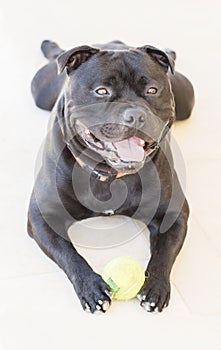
(125,276)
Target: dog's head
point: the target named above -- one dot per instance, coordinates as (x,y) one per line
(116,102)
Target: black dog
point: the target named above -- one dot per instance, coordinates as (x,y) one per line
(108,152)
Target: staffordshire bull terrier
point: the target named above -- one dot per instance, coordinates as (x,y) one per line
(107,152)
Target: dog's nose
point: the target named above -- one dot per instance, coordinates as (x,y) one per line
(134,117)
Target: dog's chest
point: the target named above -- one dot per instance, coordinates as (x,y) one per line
(109,198)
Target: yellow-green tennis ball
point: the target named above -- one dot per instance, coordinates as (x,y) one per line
(125,276)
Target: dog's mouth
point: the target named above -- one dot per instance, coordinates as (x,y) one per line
(127,155)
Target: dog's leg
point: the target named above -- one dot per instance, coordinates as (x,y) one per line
(183,92)
(183,95)
(93,292)
(50,50)
(155,293)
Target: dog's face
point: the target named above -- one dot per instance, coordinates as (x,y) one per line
(117,102)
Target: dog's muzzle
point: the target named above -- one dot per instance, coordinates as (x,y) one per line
(117,136)
(122,157)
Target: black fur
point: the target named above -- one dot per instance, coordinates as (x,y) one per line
(154,194)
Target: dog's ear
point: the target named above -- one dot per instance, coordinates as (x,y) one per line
(73,58)
(163,58)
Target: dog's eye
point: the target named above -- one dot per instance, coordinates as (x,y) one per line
(102,91)
(151,91)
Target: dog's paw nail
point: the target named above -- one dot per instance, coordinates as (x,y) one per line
(98,311)
(146,306)
(87,308)
(154,310)
(105,305)
(109,293)
(141,297)
(150,306)
(102,307)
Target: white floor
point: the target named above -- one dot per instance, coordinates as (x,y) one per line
(38,307)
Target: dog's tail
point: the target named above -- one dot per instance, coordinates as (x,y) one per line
(50,50)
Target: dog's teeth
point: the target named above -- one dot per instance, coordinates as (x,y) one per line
(98,144)
(87,132)
(142,142)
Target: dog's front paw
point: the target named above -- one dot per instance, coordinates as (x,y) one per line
(94,294)
(155,294)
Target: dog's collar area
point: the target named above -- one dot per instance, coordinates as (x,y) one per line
(103,172)
(106,173)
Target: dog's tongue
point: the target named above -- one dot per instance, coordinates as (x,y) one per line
(130,149)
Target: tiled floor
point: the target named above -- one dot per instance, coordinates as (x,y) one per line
(38,307)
